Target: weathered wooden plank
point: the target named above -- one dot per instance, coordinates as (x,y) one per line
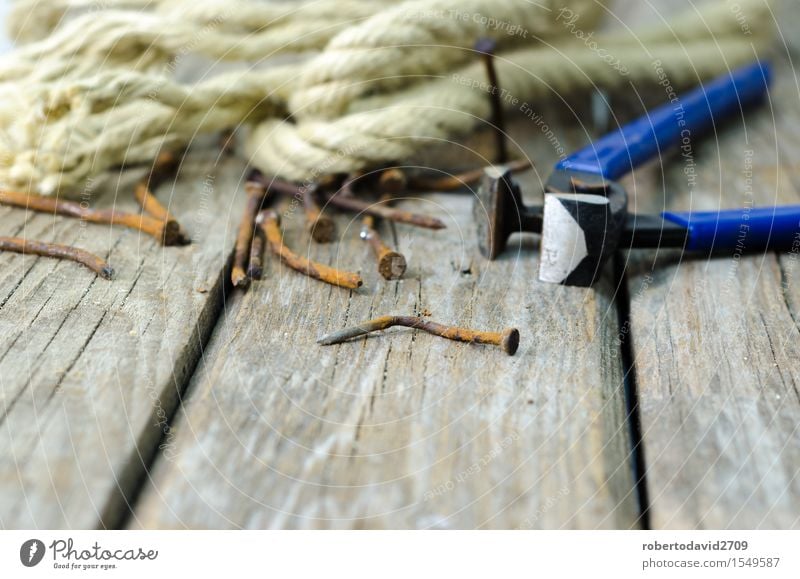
(90,370)
(715,341)
(405,430)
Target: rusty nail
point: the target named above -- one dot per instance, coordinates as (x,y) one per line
(165,163)
(357,205)
(391,264)
(31,247)
(486,46)
(274,185)
(508,339)
(255,267)
(321,227)
(345,199)
(348,184)
(392,180)
(255,197)
(165,231)
(269,222)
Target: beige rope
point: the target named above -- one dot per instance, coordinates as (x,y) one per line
(412,39)
(449,107)
(100,90)
(116,118)
(32,20)
(128,38)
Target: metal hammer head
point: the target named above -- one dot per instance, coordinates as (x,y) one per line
(584,216)
(498,211)
(581,222)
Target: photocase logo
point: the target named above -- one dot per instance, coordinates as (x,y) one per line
(31,552)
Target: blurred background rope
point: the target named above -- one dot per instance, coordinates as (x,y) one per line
(96,85)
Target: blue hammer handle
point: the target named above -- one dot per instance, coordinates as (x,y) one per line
(747,229)
(619,152)
(614,155)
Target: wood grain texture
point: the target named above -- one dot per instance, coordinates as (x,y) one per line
(90,370)
(716,341)
(403,429)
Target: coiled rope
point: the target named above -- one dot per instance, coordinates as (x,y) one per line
(366,82)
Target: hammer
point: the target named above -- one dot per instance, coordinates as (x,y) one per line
(585,217)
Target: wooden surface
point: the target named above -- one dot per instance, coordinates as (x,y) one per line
(164,400)
(90,370)
(404,430)
(715,341)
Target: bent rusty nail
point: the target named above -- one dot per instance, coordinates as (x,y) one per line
(356,205)
(143,192)
(32,247)
(269,222)
(508,339)
(345,199)
(164,231)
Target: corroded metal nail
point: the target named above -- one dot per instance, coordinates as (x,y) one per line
(152,206)
(241,256)
(31,247)
(166,232)
(345,199)
(391,264)
(269,222)
(392,180)
(255,267)
(321,227)
(397,215)
(508,339)
(486,46)
(349,183)
(165,163)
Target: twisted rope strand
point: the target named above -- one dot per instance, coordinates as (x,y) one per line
(420,38)
(448,107)
(33,20)
(100,90)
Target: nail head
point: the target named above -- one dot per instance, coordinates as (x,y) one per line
(510,341)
